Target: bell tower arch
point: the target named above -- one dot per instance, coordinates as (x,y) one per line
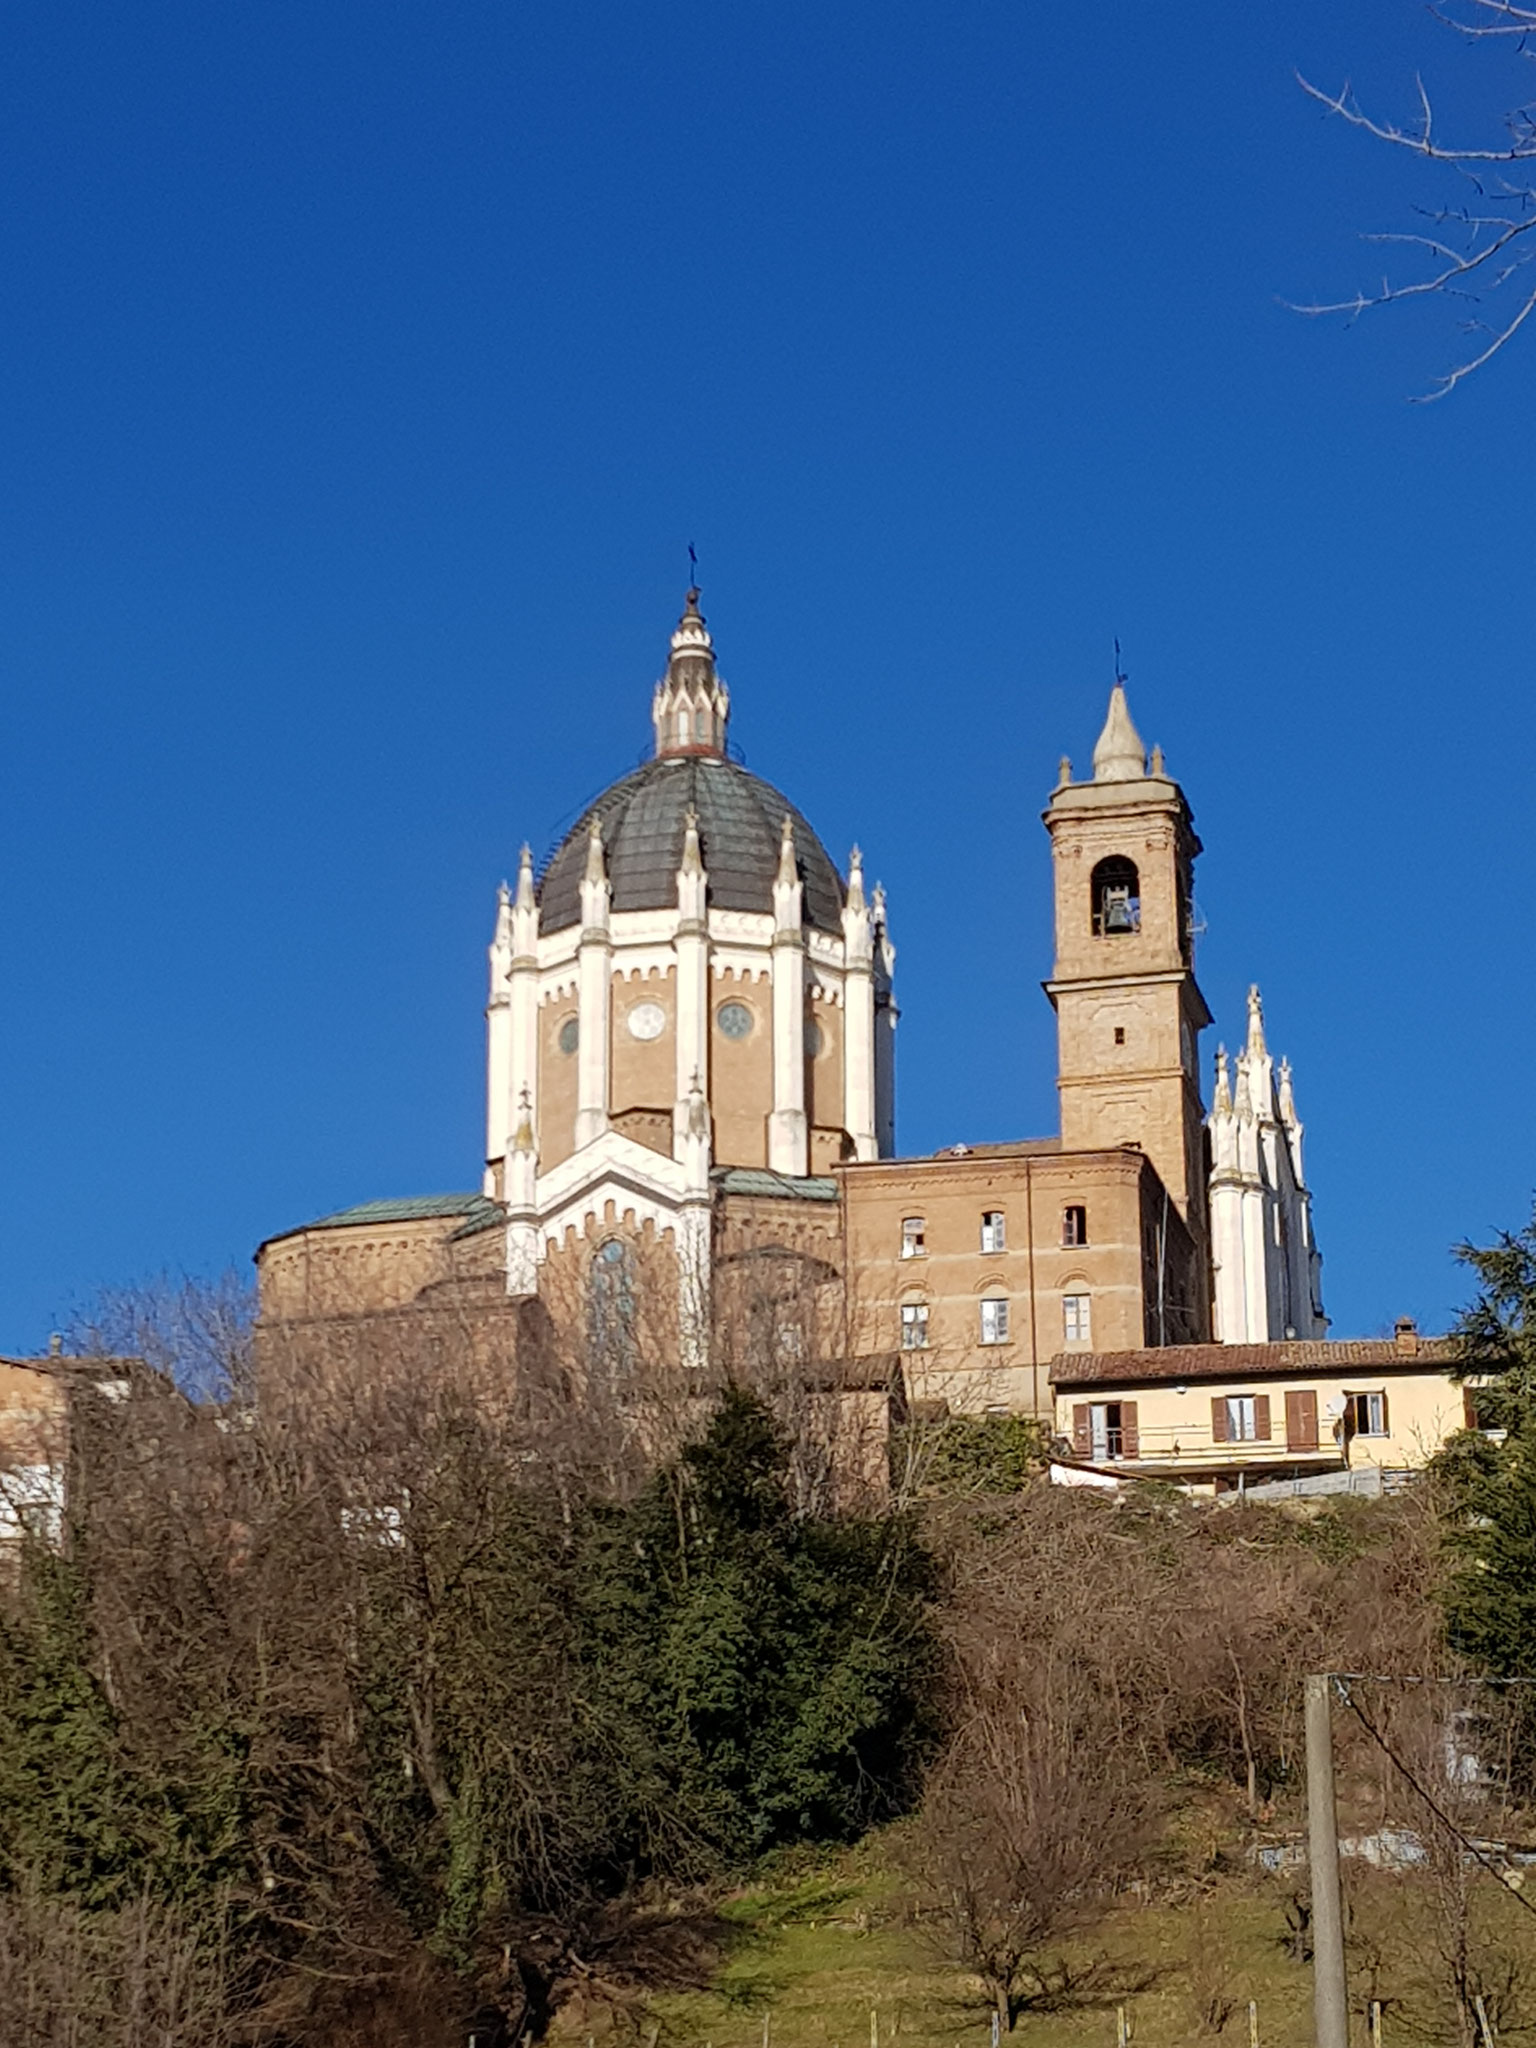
(1129,1012)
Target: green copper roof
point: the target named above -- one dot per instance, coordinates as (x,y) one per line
(756,1180)
(474,1208)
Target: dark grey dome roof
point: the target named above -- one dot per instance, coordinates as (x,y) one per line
(740,817)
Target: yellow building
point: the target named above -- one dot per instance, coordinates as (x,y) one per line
(1214,1417)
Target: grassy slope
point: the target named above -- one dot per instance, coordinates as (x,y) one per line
(819,1952)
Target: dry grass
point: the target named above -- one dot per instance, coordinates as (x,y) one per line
(831,1943)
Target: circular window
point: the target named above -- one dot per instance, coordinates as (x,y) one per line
(734,1019)
(569,1036)
(647,1020)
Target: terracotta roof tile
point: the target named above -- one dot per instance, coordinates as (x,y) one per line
(1250,1361)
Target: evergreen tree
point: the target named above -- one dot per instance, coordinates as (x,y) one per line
(1491,1485)
(764,1679)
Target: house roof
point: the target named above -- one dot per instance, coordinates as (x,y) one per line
(1252,1361)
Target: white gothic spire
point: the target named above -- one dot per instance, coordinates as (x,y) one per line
(691,704)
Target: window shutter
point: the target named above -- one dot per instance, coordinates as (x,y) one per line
(1261,1418)
(1386,1425)
(1218,1420)
(1130,1440)
(1468,1408)
(1082,1436)
(1301,1420)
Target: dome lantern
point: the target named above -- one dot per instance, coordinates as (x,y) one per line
(691,704)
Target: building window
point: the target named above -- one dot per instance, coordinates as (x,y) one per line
(1074,1224)
(1116,898)
(913,1245)
(734,1019)
(1106,1429)
(1365,1414)
(994,1322)
(914,1326)
(611,1309)
(994,1230)
(1119,1034)
(1076,1325)
(1242,1419)
(569,1036)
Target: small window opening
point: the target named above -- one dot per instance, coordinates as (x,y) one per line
(913,1237)
(1119,1034)
(994,1322)
(994,1230)
(1366,1414)
(914,1326)
(1076,1323)
(1116,898)
(1074,1225)
(700,726)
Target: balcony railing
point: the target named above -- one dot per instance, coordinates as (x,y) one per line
(1167,1445)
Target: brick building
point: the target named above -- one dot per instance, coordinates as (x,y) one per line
(690,1133)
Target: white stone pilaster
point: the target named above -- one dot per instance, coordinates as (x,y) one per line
(788,1136)
(522,1208)
(886,1015)
(498,1040)
(1255,1210)
(693,1233)
(594,967)
(523,982)
(859,1118)
(691,947)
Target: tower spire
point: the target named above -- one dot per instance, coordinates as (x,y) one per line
(691,704)
(1119,755)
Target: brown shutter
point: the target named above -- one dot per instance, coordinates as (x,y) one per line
(1219,1420)
(1469,1408)
(1130,1441)
(1261,1418)
(1386,1416)
(1301,1420)
(1082,1438)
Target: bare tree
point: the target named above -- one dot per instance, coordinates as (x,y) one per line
(1477,244)
(142,1977)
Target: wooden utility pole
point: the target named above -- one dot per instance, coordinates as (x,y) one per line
(1330,1990)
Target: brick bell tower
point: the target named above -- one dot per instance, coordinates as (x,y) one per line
(1128,1010)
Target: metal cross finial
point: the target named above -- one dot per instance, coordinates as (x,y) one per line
(1120,675)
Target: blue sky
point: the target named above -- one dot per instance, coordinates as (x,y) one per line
(364,389)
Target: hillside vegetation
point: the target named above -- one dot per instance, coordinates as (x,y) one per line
(406,1717)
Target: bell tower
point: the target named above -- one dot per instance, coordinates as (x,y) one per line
(1128,1011)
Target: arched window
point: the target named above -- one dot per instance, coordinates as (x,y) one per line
(682,727)
(701,725)
(1116,897)
(611,1309)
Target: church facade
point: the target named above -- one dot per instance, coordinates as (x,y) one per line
(690,1138)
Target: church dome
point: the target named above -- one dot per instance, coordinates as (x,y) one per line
(643,817)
